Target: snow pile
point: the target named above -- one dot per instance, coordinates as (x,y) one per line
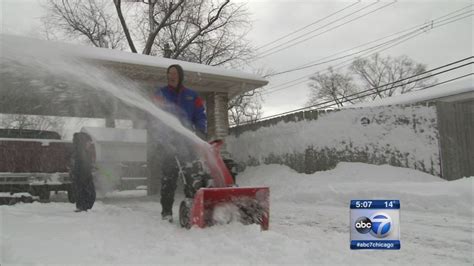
(309,224)
(416,190)
(404,136)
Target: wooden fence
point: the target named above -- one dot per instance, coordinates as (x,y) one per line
(456,131)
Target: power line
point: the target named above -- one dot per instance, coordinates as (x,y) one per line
(305,27)
(418,27)
(402,84)
(329,104)
(422,27)
(269,92)
(335,59)
(360,94)
(377,49)
(262,54)
(333,102)
(267,53)
(337,66)
(446,81)
(321,27)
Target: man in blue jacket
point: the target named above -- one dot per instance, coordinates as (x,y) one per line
(188,107)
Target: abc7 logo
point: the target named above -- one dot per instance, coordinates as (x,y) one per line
(378,225)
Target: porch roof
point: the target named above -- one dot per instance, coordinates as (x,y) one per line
(147,70)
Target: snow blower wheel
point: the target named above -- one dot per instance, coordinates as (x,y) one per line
(185,213)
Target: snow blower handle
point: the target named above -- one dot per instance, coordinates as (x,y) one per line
(180,171)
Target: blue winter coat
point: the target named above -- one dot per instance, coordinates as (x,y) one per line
(184,104)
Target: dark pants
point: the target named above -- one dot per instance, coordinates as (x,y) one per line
(85,191)
(169,172)
(164,146)
(169,180)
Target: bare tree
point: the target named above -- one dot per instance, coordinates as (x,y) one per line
(376,71)
(204,31)
(245,108)
(89,21)
(403,67)
(332,86)
(210,32)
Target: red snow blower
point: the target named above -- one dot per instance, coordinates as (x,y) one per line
(209,192)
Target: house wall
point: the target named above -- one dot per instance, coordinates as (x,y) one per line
(405,136)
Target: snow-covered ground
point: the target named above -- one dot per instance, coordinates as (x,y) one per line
(309,224)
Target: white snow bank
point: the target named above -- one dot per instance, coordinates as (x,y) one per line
(416,190)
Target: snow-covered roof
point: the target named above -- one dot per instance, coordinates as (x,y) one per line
(151,69)
(463,89)
(101,135)
(48,76)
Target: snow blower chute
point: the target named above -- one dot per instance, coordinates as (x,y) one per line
(249,204)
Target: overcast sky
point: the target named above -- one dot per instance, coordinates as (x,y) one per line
(273,19)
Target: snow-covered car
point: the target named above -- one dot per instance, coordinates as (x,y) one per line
(34,161)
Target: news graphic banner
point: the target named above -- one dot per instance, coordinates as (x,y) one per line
(375,224)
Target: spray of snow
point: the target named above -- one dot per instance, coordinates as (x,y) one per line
(225,213)
(45,62)
(62,63)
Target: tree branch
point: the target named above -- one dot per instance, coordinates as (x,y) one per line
(118,8)
(152,35)
(200,31)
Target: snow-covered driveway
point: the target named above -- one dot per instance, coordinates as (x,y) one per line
(309,224)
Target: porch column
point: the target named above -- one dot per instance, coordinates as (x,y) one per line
(110,114)
(217,117)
